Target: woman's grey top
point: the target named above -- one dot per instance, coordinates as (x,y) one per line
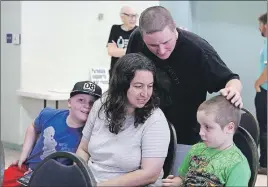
(112,155)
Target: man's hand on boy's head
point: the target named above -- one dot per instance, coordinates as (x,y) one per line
(232,92)
(171,180)
(233,95)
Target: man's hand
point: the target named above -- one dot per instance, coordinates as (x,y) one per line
(171,181)
(257,86)
(233,95)
(113,44)
(262,79)
(114,51)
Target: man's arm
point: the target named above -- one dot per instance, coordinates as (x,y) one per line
(219,77)
(114,51)
(112,48)
(235,83)
(262,79)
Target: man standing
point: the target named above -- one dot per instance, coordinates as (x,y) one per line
(261,96)
(187,68)
(119,35)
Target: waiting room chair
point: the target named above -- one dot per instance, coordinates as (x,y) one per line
(249,122)
(2,162)
(170,159)
(244,141)
(51,173)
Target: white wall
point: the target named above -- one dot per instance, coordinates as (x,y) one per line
(181,12)
(233,30)
(60,42)
(10,72)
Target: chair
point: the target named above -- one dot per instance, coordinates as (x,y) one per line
(249,122)
(50,172)
(2,163)
(248,147)
(170,159)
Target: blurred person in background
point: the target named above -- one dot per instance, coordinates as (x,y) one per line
(119,35)
(261,96)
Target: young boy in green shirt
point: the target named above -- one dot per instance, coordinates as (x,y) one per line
(216,161)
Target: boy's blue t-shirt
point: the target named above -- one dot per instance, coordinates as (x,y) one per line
(263,62)
(54,135)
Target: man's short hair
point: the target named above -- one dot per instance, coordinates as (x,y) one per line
(155,19)
(263,18)
(223,110)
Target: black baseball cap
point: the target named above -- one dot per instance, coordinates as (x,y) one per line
(86,87)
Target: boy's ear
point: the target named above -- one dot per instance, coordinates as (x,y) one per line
(230,128)
(69,103)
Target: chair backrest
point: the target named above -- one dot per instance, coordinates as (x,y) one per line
(249,122)
(170,159)
(248,147)
(2,162)
(51,173)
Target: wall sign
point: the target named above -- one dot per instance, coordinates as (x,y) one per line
(9,38)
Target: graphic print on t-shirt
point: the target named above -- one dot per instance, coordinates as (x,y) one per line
(122,43)
(49,142)
(198,176)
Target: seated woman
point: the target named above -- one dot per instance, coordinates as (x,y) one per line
(125,140)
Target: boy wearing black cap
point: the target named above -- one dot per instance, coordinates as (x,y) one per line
(54,130)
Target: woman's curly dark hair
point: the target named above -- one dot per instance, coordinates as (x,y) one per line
(116,102)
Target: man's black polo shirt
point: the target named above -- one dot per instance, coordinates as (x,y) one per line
(193,69)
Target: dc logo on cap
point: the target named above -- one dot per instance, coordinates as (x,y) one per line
(89,86)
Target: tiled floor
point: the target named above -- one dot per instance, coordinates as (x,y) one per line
(11,155)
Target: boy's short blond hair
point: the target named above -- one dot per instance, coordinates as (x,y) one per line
(223,110)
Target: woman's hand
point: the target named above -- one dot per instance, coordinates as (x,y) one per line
(171,181)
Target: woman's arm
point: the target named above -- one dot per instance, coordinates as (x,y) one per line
(82,150)
(148,174)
